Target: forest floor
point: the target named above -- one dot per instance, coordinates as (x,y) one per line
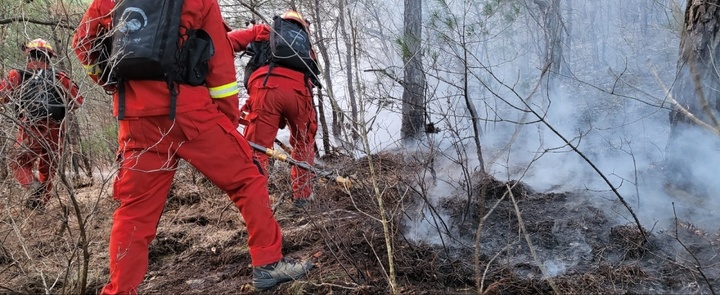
(506,239)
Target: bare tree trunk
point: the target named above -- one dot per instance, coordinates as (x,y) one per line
(696,89)
(348,67)
(3,36)
(698,82)
(413,97)
(381,31)
(318,35)
(471,106)
(554,36)
(568,27)
(77,154)
(60,51)
(337,114)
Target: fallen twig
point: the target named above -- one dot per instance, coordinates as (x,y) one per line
(550,281)
(698,265)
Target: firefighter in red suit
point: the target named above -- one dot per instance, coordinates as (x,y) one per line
(284,98)
(39,140)
(203,133)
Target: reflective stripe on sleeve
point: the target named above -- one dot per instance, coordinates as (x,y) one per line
(92,70)
(224,91)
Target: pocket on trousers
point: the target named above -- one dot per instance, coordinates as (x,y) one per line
(302,92)
(131,134)
(242,146)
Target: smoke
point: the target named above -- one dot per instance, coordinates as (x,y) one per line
(604,98)
(607,102)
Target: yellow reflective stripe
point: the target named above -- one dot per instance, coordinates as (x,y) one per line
(224,91)
(92,70)
(39,44)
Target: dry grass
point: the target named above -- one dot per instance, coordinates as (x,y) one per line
(201,242)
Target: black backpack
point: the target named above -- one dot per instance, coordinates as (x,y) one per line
(40,96)
(289,47)
(148,43)
(145,38)
(259,52)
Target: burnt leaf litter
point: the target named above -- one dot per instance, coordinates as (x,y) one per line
(562,242)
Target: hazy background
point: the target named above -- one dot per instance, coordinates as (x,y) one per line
(607,96)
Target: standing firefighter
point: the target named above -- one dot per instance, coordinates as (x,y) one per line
(40,97)
(279,79)
(176,99)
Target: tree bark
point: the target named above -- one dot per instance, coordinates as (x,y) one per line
(349,67)
(697,90)
(413,97)
(338,117)
(697,81)
(318,35)
(554,35)
(474,118)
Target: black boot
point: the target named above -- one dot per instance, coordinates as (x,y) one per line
(36,201)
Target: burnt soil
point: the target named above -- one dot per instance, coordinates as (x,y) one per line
(561,242)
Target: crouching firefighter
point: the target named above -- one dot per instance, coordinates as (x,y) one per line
(40,97)
(279,78)
(170,67)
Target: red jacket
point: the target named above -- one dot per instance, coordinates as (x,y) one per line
(13,79)
(151,98)
(242,37)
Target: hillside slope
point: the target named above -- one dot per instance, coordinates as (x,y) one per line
(561,242)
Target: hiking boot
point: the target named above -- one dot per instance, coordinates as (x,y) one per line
(34,203)
(302,203)
(268,276)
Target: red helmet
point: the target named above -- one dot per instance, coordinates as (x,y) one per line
(40,45)
(295,16)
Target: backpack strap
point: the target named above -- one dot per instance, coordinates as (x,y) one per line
(270,68)
(172,86)
(121,99)
(24,74)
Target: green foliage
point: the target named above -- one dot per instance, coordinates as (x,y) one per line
(505,10)
(102,141)
(490,7)
(39,20)
(404,49)
(450,22)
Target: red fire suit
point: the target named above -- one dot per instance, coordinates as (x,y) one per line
(285,98)
(204,133)
(38,142)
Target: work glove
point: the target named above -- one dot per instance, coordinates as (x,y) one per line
(242,119)
(95,73)
(92,70)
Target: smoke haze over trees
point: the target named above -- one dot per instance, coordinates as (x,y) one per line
(574,103)
(600,73)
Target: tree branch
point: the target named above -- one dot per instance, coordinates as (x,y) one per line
(388,74)
(37,22)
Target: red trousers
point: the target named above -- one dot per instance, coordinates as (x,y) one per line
(270,107)
(38,144)
(149,150)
